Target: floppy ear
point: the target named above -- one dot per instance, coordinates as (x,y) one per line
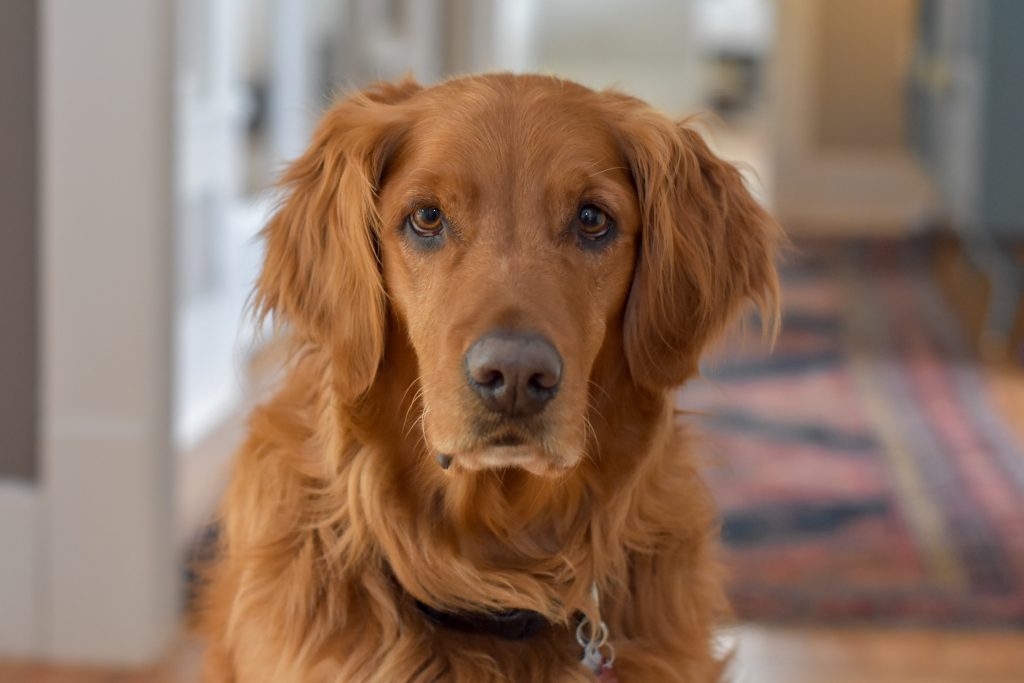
(706,248)
(321,272)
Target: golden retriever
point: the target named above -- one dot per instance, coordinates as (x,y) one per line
(491,287)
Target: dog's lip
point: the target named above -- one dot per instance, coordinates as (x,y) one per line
(505,457)
(496,456)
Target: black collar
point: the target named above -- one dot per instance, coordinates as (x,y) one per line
(511,624)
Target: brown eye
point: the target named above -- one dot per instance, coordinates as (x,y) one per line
(427,222)
(594,223)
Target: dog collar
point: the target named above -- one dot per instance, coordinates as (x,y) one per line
(522,624)
(510,624)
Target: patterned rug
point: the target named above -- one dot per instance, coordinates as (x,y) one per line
(862,472)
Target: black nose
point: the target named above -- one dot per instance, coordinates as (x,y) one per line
(514,373)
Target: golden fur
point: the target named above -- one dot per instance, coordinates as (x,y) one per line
(338,515)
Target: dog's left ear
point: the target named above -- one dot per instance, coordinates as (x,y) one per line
(706,248)
(321,272)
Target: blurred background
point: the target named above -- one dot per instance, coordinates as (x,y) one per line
(870,470)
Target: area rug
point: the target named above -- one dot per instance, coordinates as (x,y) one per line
(862,472)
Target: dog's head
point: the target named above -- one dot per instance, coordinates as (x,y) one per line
(518,229)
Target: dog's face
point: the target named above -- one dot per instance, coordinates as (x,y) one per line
(516,228)
(508,237)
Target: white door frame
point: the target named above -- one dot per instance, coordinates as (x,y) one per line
(98,560)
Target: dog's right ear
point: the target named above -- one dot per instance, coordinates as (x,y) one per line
(706,249)
(321,273)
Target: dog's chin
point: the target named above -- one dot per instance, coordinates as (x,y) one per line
(503,454)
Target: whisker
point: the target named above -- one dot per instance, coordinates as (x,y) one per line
(588,427)
(419,379)
(599,388)
(420,422)
(417,398)
(593,408)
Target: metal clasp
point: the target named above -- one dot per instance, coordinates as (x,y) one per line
(598,653)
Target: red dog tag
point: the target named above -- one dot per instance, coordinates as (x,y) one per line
(607,676)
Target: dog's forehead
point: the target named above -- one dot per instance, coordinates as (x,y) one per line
(511,135)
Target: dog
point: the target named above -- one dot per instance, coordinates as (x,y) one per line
(473,470)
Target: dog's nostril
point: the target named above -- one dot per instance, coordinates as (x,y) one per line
(544,381)
(492,380)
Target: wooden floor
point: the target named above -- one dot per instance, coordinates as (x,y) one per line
(878,656)
(763,655)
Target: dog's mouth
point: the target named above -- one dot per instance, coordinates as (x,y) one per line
(507,440)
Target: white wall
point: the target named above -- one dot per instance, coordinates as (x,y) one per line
(105,564)
(645,47)
(20,589)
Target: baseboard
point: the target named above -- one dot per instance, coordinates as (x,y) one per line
(19,569)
